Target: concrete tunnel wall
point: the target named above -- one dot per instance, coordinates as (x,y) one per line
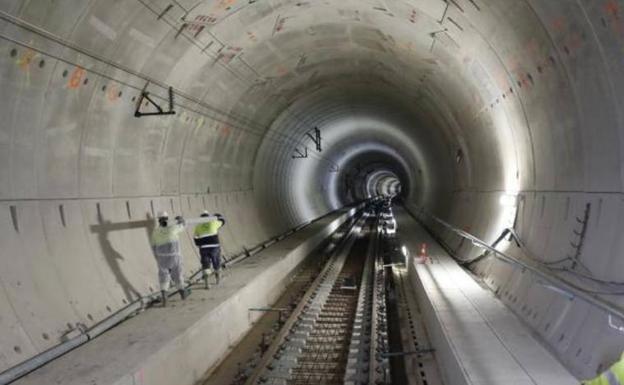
(479,98)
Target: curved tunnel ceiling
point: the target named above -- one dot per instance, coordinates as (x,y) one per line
(463,101)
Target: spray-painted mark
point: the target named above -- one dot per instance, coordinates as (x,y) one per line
(112,93)
(611,10)
(532,49)
(228,53)
(559,24)
(225,130)
(76,78)
(225,4)
(140,375)
(24,61)
(198,24)
(280,24)
(281,70)
(571,39)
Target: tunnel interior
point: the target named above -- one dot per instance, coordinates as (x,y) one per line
(486,113)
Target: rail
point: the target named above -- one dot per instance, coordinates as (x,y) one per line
(280,359)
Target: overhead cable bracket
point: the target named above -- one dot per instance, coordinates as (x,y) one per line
(316,138)
(160,111)
(300,155)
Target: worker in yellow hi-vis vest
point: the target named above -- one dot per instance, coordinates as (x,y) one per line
(165,241)
(612,376)
(206,237)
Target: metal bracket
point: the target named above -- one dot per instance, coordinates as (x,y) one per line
(300,155)
(146,96)
(316,138)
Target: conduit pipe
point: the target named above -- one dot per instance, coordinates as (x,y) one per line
(41,359)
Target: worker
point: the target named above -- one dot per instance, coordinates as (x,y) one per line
(612,376)
(165,243)
(206,237)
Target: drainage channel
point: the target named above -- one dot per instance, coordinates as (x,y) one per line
(316,344)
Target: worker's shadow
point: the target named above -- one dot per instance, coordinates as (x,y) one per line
(113,257)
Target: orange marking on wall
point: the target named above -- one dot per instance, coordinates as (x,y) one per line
(612,7)
(281,70)
(575,41)
(112,94)
(559,24)
(223,4)
(25,60)
(76,78)
(225,130)
(612,12)
(532,48)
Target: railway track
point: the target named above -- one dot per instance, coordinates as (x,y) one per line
(351,321)
(338,331)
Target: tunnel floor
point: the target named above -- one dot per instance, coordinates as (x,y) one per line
(237,365)
(414,320)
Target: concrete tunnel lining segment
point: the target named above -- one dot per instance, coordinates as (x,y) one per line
(527,91)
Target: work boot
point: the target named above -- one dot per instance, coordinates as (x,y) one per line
(184,293)
(206,284)
(163,294)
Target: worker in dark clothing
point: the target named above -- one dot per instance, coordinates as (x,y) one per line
(206,237)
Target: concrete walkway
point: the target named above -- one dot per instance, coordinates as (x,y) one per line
(478,340)
(178,344)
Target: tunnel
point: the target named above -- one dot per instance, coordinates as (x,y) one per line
(496,125)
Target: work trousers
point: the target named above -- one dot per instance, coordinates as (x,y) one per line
(170,266)
(210,256)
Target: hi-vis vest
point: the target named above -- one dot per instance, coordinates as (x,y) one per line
(207,234)
(612,376)
(166,240)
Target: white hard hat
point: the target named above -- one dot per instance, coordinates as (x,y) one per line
(163,214)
